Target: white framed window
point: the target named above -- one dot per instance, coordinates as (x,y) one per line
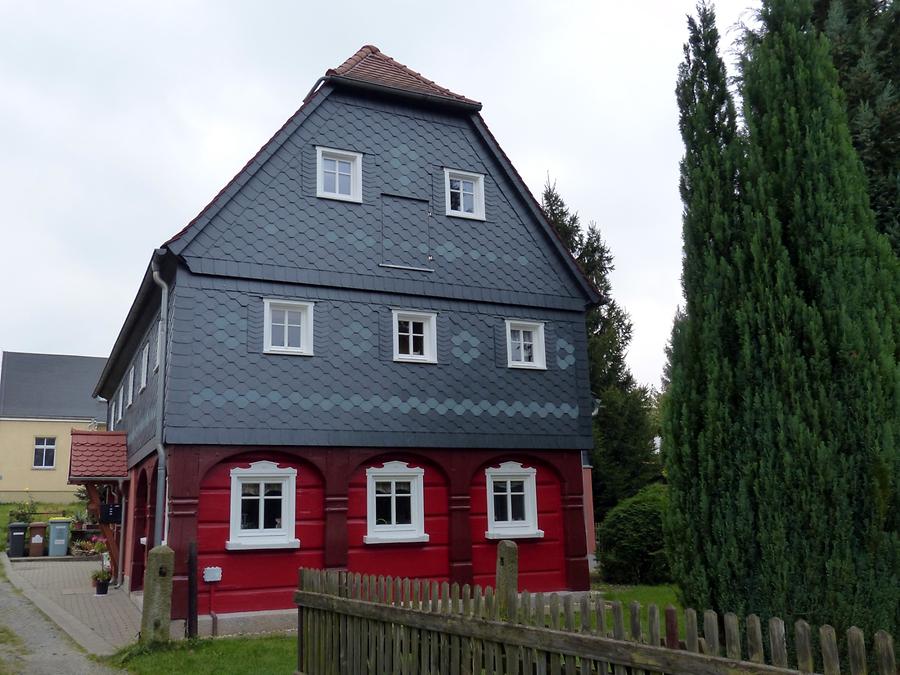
(159,344)
(263,497)
(511,501)
(112,414)
(145,365)
(464,194)
(525,344)
(44,453)
(415,336)
(288,327)
(120,409)
(338,174)
(395,507)
(129,384)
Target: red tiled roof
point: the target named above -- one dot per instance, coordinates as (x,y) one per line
(98,454)
(370,65)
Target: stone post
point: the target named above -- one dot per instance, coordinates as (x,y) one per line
(157,611)
(507,578)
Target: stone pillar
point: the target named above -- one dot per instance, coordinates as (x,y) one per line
(155,619)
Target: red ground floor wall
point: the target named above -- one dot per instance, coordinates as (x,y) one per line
(330,521)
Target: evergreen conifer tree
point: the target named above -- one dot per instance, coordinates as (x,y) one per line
(705,526)
(865,42)
(796,512)
(624,458)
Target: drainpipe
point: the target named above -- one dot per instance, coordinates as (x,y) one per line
(124,503)
(160,394)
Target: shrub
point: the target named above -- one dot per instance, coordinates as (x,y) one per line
(630,539)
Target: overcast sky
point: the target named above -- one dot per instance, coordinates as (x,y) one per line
(119,121)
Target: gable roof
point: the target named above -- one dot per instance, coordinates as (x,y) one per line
(50,386)
(370,65)
(369,68)
(97,454)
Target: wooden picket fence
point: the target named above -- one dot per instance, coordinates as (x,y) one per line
(353,624)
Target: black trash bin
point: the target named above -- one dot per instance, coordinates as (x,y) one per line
(15,541)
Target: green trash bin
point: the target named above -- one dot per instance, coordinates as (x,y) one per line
(16,541)
(59,537)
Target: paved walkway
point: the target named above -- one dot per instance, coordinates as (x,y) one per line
(63,591)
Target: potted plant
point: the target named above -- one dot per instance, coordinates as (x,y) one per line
(102,576)
(101,579)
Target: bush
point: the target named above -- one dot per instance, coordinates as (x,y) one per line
(630,539)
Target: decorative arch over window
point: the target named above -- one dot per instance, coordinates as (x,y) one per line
(263,497)
(395,507)
(512,502)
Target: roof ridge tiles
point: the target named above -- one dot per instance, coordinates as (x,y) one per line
(388,72)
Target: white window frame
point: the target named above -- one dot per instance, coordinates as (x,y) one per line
(159,344)
(527,528)
(145,365)
(396,534)
(130,384)
(120,409)
(285,536)
(540,355)
(44,447)
(306,326)
(429,321)
(112,414)
(478,180)
(355,159)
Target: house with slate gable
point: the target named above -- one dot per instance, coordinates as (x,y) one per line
(368,353)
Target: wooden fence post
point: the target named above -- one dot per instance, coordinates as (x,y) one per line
(507,578)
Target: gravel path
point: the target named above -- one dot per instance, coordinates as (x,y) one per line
(30,643)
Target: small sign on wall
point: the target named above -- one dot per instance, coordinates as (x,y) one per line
(212,574)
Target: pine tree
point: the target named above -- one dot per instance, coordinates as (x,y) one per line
(865,41)
(796,513)
(703,538)
(624,458)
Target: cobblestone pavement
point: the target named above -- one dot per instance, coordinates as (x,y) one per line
(30,644)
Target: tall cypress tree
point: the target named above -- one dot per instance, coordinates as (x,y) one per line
(703,538)
(807,471)
(818,321)
(623,457)
(865,41)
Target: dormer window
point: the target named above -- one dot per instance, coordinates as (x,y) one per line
(339,174)
(464,194)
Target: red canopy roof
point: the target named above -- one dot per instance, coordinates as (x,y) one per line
(97,454)
(369,64)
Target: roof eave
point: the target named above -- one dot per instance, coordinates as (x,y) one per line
(433,99)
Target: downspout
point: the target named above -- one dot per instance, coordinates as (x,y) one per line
(122,511)
(160,394)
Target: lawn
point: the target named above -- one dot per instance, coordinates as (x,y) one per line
(222,656)
(44,510)
(662,596)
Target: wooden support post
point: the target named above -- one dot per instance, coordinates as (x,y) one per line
(507,578)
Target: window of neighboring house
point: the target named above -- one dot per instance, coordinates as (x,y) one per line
(288,327)
(339,174)
(130,386)
(112,414)
(395,509)
(263,497)
(145,365)
(511,501)
(464,194)
(525,344)
(44,453)
(120,409)
(159,344)
(415,336)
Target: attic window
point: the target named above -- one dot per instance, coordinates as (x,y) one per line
(464,194)
(339,174)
